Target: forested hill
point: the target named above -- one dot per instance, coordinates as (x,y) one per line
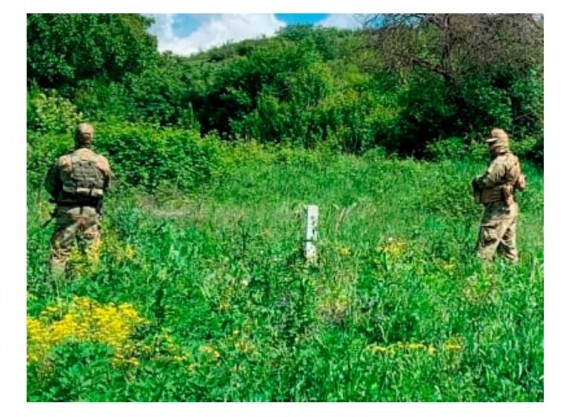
(413,85)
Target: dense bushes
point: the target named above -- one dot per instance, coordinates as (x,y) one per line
(50,112)
(306,87)
(149,157)
(141,156)
(65,49)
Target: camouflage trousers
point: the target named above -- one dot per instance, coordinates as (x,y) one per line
(498,231)
(72,224)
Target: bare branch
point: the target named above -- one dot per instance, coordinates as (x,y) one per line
(453,44)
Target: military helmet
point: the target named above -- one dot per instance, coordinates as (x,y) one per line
(83,134)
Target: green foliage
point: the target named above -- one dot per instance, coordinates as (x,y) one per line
(42,152)
(150,157)
(203,236)
(77,369)
(527,97)
(397,308)
(530,148)
(485,104)
(360,115)
(50,113)
(268,75)
(451,148)
(64,49)
(141,156)
(164,94)
(104,101)
(457,148)
(306,86)
(427,115)
(325,40)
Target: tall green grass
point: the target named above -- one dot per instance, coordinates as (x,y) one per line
(397,307)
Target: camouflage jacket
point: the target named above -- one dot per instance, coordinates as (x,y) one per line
(78,177)
(501,179)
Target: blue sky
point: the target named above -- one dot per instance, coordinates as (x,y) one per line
(291,18)
(185,34)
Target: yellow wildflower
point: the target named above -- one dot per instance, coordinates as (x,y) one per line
(211,352)
(454,343)
(245,346)
(192,367)
(83,321)
(129,252)
(93,252)
(344,251)
(393,247)
(452,346)
(415,346)
(380,349)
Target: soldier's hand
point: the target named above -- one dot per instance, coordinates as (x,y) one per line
(475,184)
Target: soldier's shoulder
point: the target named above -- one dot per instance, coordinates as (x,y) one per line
(103,164)
(511,158)
(90,154)
(64,161)
(499,159)
(498,164)
(102,159)
(505,158)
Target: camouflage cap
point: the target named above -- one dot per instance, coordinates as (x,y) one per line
(498,138)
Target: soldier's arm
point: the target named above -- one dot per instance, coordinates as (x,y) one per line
(108,179)
(492,176)
(520,179)
(53,180)
(104,166)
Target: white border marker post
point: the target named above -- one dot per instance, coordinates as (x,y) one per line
(311,233)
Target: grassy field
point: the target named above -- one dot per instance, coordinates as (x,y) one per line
(205,297)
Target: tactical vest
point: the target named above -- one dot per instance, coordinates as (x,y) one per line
(81,179)
(505,191)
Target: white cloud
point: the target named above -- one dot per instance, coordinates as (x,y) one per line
(216,31)
(341,21)
(163,27)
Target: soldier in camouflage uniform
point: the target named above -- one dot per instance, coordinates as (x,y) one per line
(77,183)
(495,189)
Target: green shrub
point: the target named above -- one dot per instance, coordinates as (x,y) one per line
(141,156)
(48,112)
(530,148)
(42,150)
(146,156)
(451,148)
(456,148)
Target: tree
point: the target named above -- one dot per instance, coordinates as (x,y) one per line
(65,49)
(453,45)
(463,73)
